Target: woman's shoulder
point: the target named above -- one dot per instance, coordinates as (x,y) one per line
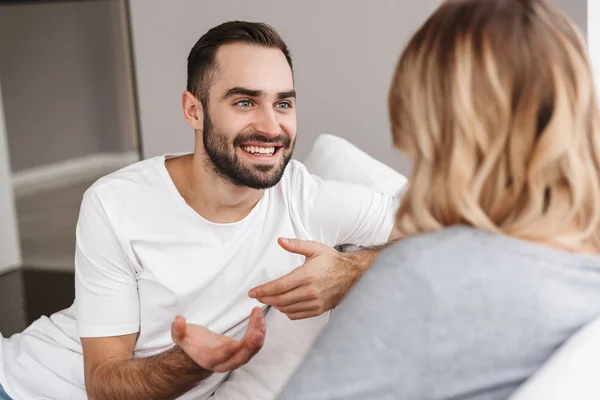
(468,248)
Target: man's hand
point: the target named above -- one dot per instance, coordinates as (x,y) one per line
(219,353)
(313,288)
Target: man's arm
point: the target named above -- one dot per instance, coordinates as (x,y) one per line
(320,283)
(360,260)
(111,372)
(333,213)
(164,376)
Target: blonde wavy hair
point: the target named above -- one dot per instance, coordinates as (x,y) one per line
(494,102)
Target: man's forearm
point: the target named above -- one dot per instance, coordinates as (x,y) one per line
(320,283)
(360,260)
(164,376)
(355,264)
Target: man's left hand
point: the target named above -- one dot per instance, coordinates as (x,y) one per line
(313,288)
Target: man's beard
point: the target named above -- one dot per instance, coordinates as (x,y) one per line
(226,163)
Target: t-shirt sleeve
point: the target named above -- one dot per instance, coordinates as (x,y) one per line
(106,294)
(337,213)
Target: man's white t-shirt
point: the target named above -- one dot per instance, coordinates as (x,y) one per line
(144,256)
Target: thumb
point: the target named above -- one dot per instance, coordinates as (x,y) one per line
(178,329)
(304,247)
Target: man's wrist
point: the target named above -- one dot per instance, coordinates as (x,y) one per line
(360,260)
(188,365)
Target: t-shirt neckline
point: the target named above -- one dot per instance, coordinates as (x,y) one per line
(172,189)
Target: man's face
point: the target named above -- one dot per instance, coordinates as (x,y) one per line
(250,124)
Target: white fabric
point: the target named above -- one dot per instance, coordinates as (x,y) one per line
(143,256)
(332,157)
(261,378)
(573,372)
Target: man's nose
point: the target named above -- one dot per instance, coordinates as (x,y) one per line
(267,124)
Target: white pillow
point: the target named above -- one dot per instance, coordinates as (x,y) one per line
(334,158)
(573,371)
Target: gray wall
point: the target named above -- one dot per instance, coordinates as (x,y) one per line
(344,54)
(576,10)
(10,253)
(65,84)
(593,35)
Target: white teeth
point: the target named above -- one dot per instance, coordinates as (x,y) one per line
(259,150)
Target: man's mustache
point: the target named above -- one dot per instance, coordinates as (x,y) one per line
(281,140)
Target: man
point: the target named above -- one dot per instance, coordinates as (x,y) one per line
(175,252)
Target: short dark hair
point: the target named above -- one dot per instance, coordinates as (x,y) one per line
(201,60)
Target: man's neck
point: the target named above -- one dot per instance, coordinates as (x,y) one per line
(210,195)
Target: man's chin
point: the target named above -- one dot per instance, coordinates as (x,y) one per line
(262,182)
(261,176)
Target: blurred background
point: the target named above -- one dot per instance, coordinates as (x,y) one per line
(89,86)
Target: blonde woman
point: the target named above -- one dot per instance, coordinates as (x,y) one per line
(493,100)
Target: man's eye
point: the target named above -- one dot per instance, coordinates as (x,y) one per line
(244,103)
(284,105)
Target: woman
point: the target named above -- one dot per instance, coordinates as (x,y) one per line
(493,100)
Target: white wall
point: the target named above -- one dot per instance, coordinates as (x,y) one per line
(344,54)
(10,254)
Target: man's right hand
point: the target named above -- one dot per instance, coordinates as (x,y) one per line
(219,353)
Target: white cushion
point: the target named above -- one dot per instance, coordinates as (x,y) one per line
(573,372)
(334,158)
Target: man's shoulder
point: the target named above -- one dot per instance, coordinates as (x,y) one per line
(138,178)
(295,173)
(295,167)
(297,182)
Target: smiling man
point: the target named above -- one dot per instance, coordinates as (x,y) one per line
(179,256)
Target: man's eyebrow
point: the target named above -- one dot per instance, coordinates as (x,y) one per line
(257,93)
(286,95)
(243,91)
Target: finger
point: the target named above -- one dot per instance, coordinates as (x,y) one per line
(256,322)
(301,306)
(303,247)
(281,285)
(303,314)
(211,357)
(178,329)
(300,294)
(251,344)
(256,329)
(215,356)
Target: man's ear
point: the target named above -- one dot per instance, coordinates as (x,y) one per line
(193,111)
